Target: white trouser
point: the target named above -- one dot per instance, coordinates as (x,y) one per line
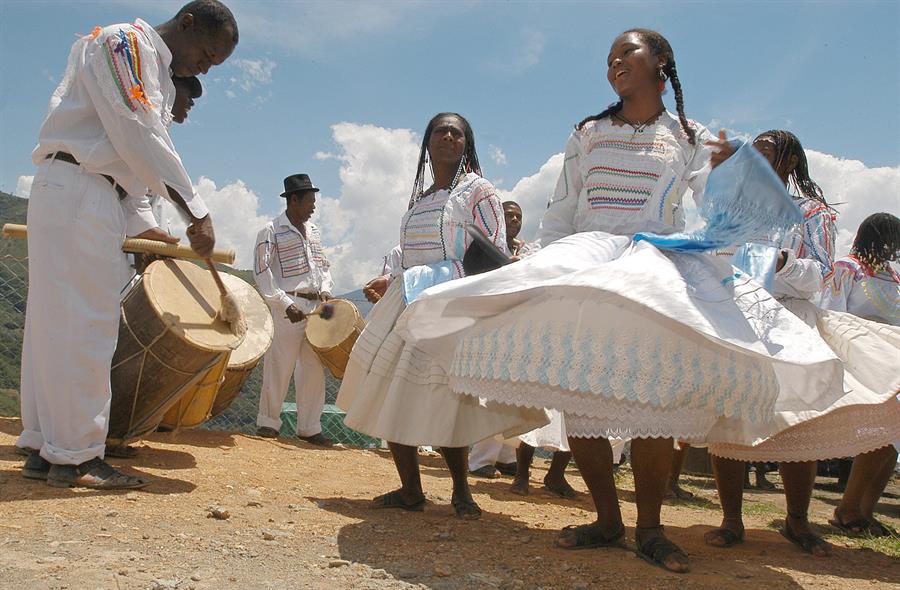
(492,450)
(76,269)
(289,354)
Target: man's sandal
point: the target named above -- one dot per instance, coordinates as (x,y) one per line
(589,536)
(36,467)
(655,550)
(395,500)
(96,474)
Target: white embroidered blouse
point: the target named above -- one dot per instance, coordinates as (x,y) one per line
(856,288)
(286,261)
(810,253)
(433,230)
(623,182)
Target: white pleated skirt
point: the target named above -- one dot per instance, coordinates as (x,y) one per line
(395,391)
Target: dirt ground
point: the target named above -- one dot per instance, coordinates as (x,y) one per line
(298,518)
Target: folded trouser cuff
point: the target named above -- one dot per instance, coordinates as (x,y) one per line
(268,422)
(30,439)
(59,456)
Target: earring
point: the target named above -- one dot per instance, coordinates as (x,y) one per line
(459,170)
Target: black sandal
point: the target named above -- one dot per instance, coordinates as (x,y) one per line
(563,490)
(466,509)
(729,537)
(96,474)
(806,541)
(589,536)
(655,550)
(395,500)
(855,528)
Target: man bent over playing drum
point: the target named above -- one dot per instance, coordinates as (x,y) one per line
(104,136)
(292,275)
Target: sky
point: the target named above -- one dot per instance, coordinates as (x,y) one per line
(343,91)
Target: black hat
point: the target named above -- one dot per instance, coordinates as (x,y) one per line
(298,183)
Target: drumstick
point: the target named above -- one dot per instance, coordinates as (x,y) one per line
(138,245)
(231,311)
(326,313)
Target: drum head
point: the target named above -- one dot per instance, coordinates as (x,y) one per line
(185,297)
(329,333)
(260,328)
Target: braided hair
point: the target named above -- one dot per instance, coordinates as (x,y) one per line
(786,146)
(660,47)
(877,240)
(469,159)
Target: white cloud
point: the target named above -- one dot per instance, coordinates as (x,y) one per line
(528,49)
(253,72)
(23,186)
(235,214)
(361,224)
(856,191)
(497,155)
(532,193)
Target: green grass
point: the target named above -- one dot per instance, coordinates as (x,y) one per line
(890,546)
(752,508)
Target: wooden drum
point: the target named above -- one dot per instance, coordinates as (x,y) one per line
(169,340)
(333,339)
(245,357)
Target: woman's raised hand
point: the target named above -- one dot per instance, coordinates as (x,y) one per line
(722,149)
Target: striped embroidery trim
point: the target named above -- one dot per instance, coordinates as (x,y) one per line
(616,204)
(622,172)
(126,69)
(662,200)
(490,220)
(619,188)
(654,147)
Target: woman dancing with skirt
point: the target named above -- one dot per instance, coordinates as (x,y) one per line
(391,389)
(626,340)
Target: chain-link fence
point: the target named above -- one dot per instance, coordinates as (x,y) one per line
(240,415)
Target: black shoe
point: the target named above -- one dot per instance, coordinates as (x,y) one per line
(320,440)
(36,467)
(266,432)
(506,468)
(487,472)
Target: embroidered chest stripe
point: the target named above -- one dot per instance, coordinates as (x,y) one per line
(622,173)
(653,147)
(291,254)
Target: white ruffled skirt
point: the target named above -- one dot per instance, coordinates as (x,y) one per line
(394,391)
(627,342)
(865,418)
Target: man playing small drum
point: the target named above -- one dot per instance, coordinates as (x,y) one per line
(292,275)
(104,136)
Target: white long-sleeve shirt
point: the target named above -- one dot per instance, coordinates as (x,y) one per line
(285,262)
(855,287)
(111,112)
(810,253)
(620,181)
